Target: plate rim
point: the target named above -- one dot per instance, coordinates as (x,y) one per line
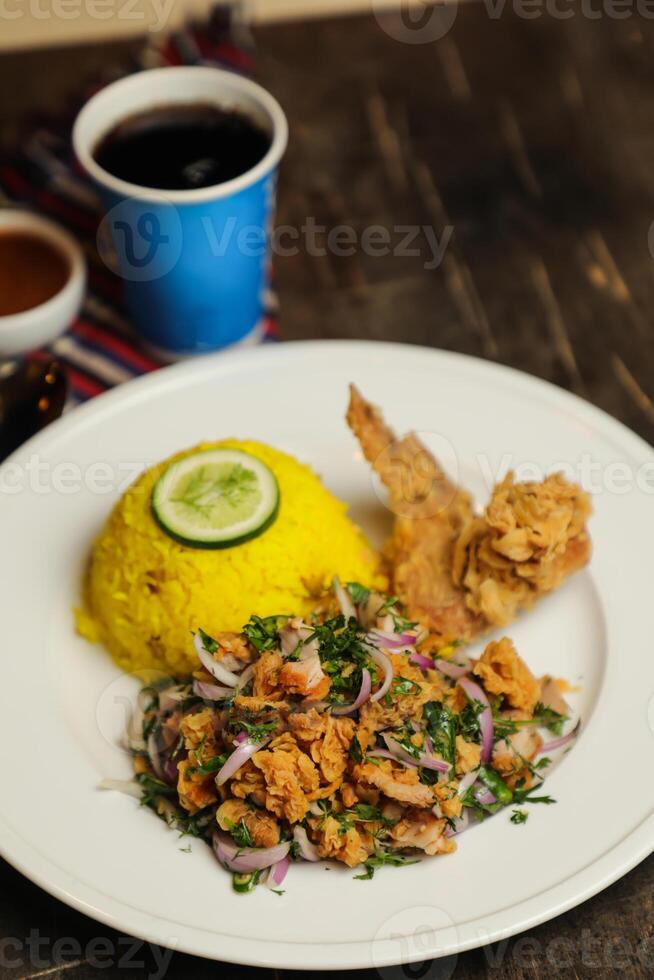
(603,871)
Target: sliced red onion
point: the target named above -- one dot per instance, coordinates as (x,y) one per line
(155,758)
(135,740)
(558,743)
(425,663)
(475,693)
(171,696)
(429,745)
(244,860)
(231,662)
(212,692)
(466,782)
(460,824)
(318,706)
(387,754)
(308,850)
(239,757)
(436,810)
(426,760)
(384,662)
(170,771)
(342,597)
(278,872)
(393,640)
(125,786)
(245,678)
(451,670)
(240,737)
(215,668)
(484,796)
(362,697)
(316,809)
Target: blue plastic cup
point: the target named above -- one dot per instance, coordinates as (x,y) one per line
(194,263)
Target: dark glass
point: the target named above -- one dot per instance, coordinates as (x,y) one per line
(30,398)
(182,147)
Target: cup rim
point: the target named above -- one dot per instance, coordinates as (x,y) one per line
(268,163)
(20,219)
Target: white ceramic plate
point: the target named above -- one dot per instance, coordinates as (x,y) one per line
(62,701)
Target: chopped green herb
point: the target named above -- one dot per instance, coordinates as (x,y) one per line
(401,687)
(441,725)
(257,733)
(496,785)
(196,825)
(468,721)
(358,593)
(380,859)
(519,816)
(542,718)
(263,633)
(355,751)
(214,764)
(240,833)
(549,718)
(208,642)
(522,795)
(153,787)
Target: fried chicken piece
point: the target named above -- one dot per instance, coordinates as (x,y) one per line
(531,537)
(308,726)
(448,799)
(249,784)
(421,829)
(468,755)
(459,575)
(351,846)
(403,786)
(511,754)
(502,671)
(430,512)
(266,674)
(290,775)
(425,687)
(195,791)
(305,674)
(331,753)
(262,826)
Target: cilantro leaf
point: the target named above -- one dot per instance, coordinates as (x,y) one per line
(519,816)
(358,593)
(380,859)
(208,642)
(263,633)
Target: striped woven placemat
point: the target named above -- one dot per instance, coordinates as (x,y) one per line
(100,349)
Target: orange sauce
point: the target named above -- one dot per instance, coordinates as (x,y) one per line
(32,271)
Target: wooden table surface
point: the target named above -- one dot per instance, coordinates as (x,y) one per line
(533,140)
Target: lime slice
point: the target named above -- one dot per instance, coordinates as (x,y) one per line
(215,498)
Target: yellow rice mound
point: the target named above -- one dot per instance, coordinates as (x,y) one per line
(145,593)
